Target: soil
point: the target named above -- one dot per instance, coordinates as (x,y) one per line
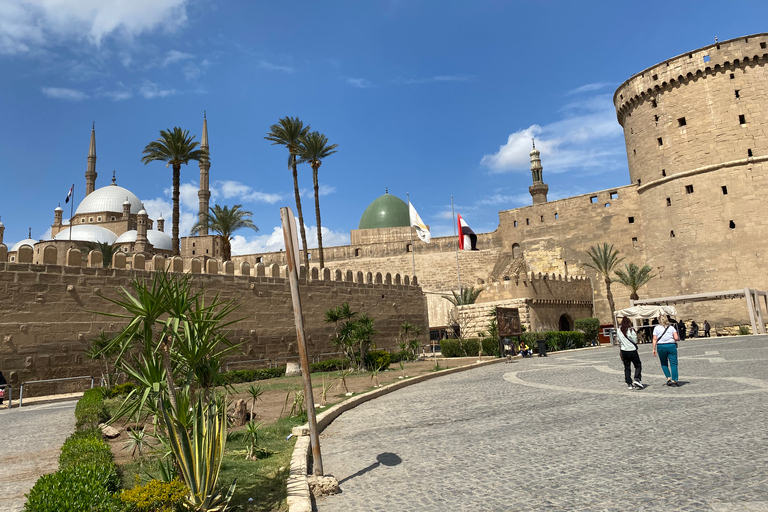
(278,394)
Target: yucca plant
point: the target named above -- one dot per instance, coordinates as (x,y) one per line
(252,438)
(255,392)
(199,451)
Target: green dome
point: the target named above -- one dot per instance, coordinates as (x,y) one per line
(386,211)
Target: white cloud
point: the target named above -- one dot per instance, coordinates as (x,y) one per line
(273,242)
(360,83)
(175,56)
(323,190)
(120,93)
(263,64)
(587,140)
(436,78)
(188,195)
(234,189)
(150,90)
(60,93)
(590,87)
(26,25)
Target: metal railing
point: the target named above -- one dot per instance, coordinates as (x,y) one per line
(317,358)
(21,390)
(226,366)
(8,389)
(286,359)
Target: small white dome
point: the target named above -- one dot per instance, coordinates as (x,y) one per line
(58,209)
(29,241)
(158,239)
(108,199)
(142,212)
(87,233)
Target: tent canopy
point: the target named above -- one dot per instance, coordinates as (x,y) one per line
(646,312)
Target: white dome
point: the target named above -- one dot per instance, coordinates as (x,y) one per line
(108,199)
(87,233)
(158,239)
(30,242)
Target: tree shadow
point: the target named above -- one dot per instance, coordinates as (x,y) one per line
(382,459)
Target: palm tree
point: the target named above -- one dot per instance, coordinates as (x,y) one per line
(463,296)
(225,222)
(288,132)
(312,150)
(633,277)
(604,260)
(174,147)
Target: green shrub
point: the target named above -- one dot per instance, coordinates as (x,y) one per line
(744,330)
(155,496)
(377,360)
(237,376)
(402,355)
(119,390)
(491,347)
(563,340)
(90,411)
(331,365)
(451,348)
(591,328)
(84,449)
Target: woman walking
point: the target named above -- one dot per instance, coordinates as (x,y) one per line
(629,355)
(665,340)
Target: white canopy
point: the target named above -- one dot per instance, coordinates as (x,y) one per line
(646,312)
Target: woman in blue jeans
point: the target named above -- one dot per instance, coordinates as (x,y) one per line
(665,340)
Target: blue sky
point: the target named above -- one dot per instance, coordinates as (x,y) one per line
(434,98)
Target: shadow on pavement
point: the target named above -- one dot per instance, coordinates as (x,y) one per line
(382,459)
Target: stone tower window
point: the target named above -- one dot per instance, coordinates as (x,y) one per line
(614,195)
(660,141)
(654,105)
(634,241)
(663,172)
(736,92)
(634,152)
(669,201)
(542,218)
(671,234)
(731,224)
(762,45)
(681,121)
(259,259)
(689,189)
(725,190)
(655,77)
(593,199)
(749,152)
(358,252)
(514,223)
(742,119)
(557,216)
(706,58)
(527,222)
(631,220)
(656,118)
(408,248)
(638,181)
(607,205)
(733,76)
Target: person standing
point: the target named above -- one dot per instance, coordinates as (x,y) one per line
(629,355)
(681,330)
(665,340)
(707,328)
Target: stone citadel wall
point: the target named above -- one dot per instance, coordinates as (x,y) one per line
(46,324)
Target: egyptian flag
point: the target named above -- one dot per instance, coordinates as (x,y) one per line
(69,194)
(467,237)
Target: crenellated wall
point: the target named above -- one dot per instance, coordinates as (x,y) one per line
(47,323)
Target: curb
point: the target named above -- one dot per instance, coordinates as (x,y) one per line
(299,498)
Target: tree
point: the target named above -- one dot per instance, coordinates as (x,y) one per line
(604,260)
(288,132)
(633,277)
(225,222)
(313,149)
(175,147)
(463,296)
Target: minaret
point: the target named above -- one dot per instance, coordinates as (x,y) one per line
(57,221)
(161,223)
(205,165)
(539,189)
(141,232)
(2,231)
(90,173)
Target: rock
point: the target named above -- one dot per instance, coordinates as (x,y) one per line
(109,431)
(321,486)
(239,413)
(292,368)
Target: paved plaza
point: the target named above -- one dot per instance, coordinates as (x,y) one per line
(564,433)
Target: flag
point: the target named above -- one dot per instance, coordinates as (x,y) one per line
(421,229)
(467,237)
(69,194)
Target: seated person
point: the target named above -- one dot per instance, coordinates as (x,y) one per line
(524,350)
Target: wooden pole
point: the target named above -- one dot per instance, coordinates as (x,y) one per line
(293,257)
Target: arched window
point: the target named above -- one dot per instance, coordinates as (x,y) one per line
(566,324)
(516,251)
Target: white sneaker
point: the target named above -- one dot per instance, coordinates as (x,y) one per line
(638,384)
(631,388)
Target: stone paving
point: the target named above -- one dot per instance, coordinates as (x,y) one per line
(564,433)
(30,440)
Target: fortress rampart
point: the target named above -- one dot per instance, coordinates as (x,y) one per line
(47,325)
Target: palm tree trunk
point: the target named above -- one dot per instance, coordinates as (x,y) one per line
(176,186)
(226,249)
(609,296)
(301,215)
(317,215)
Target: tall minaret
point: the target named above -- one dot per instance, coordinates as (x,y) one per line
(539,189)
(90,173)
(2,231)
(205,165)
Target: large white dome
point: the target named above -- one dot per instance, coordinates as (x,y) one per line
(158,239)
(108,199)
(87,233)
(30,242)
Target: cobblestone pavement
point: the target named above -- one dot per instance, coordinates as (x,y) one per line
(30,440)
(564,433)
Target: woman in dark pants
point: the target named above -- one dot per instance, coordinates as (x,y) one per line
(629,355)
(665,340)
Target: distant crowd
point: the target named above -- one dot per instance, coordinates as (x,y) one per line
(644,332)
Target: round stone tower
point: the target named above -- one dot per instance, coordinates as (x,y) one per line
(696,133)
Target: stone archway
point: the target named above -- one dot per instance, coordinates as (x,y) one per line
(516,250)
(566,322)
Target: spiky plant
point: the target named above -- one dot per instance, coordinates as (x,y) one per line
(634,277)
(225,221)
(604,259)
(463,296)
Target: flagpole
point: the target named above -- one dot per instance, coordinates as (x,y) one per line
(71,214)
(458,274)
(410,232)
